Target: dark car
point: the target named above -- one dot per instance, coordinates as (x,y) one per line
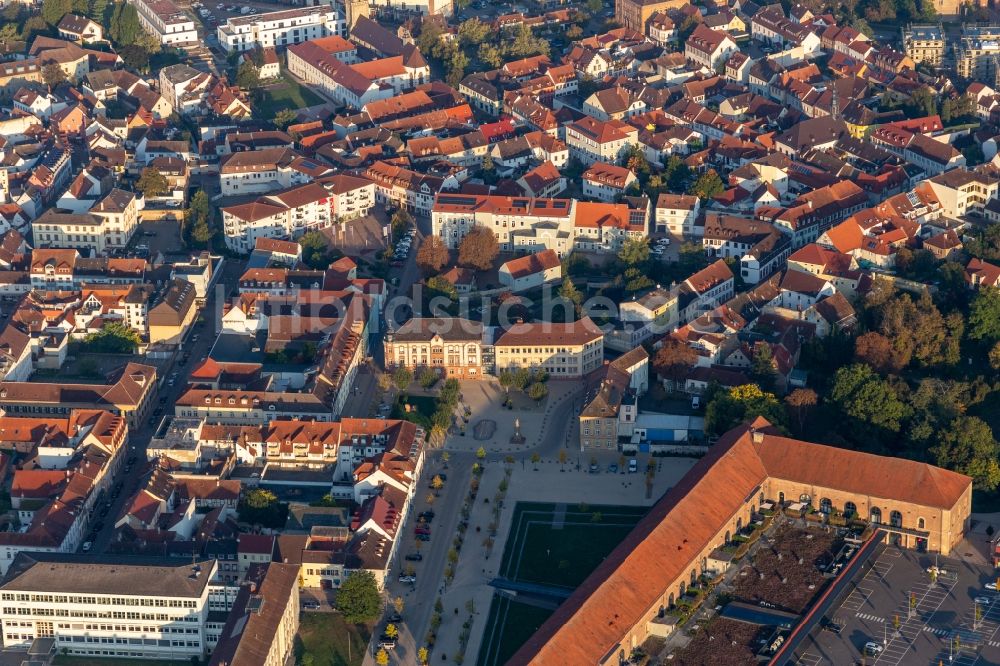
(414,557)
(422,529)
(423,537)
(426,516)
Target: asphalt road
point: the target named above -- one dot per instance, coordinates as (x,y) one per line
(165,399)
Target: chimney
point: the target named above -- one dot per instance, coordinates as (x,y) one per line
(756,436)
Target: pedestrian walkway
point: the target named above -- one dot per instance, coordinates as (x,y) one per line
(559,517)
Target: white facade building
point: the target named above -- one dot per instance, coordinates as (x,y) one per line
(167,21)
(109,607)
(281,28)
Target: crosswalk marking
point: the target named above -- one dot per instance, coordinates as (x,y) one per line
(869,617)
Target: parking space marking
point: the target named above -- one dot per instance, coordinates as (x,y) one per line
(892,553)
(857,598)
(809,659)
(929,599)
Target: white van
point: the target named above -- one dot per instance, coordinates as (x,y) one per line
(633,466)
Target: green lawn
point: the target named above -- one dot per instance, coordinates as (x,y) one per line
(285,94)
(425,407)
(539,552)
(330,640)
(516,621)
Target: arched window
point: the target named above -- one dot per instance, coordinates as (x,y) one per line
(739,524)
(825,505)
(761,498)
(850,509)
(671,604)
(727,536)
(920,523)
(781,498)
(896,519)
(694,577)
(876,515)
(683,589)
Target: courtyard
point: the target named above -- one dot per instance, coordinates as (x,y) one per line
(550,545)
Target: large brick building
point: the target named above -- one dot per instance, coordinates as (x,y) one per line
(616,608)
(635,14)
(449,345)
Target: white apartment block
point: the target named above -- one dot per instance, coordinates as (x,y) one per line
(282,215)
(262,171)
(676,214)
(519,223)
(167,21)
(561,350)
(109,607)
(110,224)
(281,28)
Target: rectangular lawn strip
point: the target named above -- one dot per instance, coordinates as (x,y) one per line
(286,94)
(537,553)
(70,660)
(508,627)
(325,637)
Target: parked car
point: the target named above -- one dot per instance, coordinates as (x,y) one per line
(414,557)
(427,516)
(695,402)
(982,601)
(311,605)
(422,529)
(872,649)
(387,643)
(423,537)
(991,586)
(612,468)
(87,545)
(594,469)
(633,466)
(407,579)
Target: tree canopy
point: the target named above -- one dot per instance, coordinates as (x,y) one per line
(152,183)
(358,598)
(478,249)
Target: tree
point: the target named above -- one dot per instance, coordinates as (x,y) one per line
(432,255)
(382,657)
(994,356)
(868,401)
(457,64)
(427,378)
(491,54)
(398,604)
(967,446)
(800,402)
(436,483)
(740,404)
(259,498)
(535,458)
(478,249)
(114,337)
(197,216)
(402,378)
(124,25)
(422,656)
(285,117)
(984,316)
(33,26)
(248,76)
(569,291)
(391,631)
(358,598)
(574,33)
(53,74)
(674,359)
(762,366)
(473,32)
(537,391)
(152,183)
(876,350)
(97,10)
(316,252)
(708,185)
(54,10)
(634,252)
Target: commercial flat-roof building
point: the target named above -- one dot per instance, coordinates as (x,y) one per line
(114,607)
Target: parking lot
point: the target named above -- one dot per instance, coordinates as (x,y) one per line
(910,617)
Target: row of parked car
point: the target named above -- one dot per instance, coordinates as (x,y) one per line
(403,247)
